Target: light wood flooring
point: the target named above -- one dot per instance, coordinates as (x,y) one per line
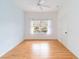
(39,49)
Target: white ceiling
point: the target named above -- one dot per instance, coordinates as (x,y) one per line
(31,5)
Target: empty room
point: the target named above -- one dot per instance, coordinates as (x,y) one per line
(39,29)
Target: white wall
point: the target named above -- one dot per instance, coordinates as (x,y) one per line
(68,20)
(40,16)
(11,26)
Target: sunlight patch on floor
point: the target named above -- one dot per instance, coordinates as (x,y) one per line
(41,49)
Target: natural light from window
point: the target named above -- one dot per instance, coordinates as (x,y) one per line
(41,50)
(40,27)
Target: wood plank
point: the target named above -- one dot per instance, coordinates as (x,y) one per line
(39,49)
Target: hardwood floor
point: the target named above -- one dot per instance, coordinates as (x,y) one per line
(39,49)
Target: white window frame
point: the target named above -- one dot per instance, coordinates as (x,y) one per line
(48,22)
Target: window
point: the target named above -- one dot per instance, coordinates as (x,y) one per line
(40,27)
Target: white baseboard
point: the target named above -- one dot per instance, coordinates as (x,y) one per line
(11,48)
(69,48)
